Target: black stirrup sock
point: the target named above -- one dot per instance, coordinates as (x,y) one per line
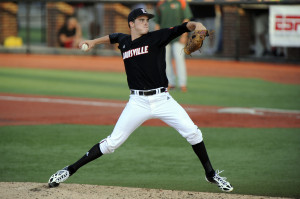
(91,155)
(200,151)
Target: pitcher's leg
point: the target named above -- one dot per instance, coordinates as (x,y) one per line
(175,116)
(132,117)
(185,126)
(91,155)
(169,111)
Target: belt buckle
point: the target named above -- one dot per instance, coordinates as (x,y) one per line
(147,93)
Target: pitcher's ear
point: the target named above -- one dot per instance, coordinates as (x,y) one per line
(131,24)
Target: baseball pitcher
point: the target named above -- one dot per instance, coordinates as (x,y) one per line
(143,53)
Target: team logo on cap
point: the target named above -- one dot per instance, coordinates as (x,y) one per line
(144,11)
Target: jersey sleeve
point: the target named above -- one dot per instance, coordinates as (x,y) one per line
(166,35)
(114,38)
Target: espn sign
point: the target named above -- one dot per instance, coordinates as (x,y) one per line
(287,23)
(284,26)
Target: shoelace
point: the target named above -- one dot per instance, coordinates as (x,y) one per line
(62,176)
(219,178)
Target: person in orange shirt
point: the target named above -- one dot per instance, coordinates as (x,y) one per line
(168,14)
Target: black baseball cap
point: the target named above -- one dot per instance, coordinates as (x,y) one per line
(138,12)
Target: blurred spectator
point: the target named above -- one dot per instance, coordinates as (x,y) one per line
(170,13)
(218,30)
(210,17)
(70,33)
(262,46)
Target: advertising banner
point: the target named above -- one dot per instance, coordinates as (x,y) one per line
(284,26)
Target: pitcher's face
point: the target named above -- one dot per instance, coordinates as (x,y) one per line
(141,25)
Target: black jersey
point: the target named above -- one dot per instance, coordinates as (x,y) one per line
(144,57)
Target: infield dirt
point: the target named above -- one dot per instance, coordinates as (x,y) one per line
(27,190)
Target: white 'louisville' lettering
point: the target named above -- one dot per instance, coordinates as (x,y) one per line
(135,52)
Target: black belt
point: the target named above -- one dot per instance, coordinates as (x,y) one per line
(148,92)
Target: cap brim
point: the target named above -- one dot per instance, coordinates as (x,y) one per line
(150,16)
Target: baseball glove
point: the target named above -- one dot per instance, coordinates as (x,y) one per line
(195,41)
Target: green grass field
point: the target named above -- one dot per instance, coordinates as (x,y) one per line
(236,92)
(257,161)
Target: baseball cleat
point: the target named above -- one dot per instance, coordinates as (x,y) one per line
(220,181)
(58,177)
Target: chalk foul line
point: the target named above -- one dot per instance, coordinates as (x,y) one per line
(232,110)
(62,101)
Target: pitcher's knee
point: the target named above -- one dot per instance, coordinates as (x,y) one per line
(107,146)
(195,137)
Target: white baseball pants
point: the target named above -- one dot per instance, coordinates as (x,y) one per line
(142,108)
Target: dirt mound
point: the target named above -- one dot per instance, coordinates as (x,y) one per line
(27,190)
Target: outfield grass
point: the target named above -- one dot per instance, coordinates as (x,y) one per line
(234,92)
(256,161)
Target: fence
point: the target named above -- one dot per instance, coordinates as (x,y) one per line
(37,24)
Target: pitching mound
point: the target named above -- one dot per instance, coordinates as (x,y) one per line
(26,190)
